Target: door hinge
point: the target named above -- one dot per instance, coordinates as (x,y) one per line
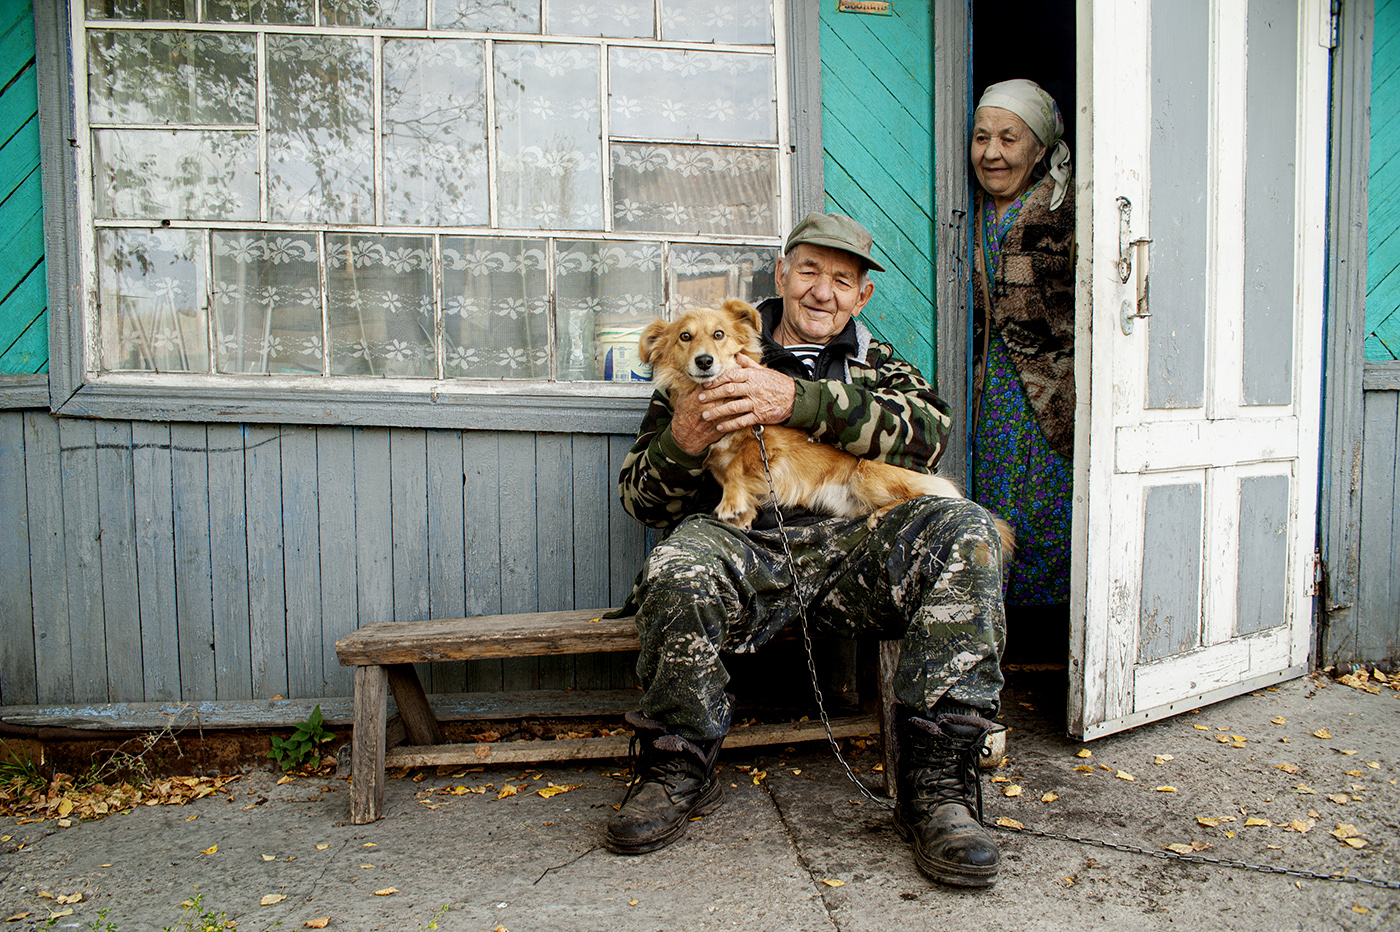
(1332,24)
(1316,576)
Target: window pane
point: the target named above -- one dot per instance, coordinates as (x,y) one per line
(741,22)
(297,12)
(380,305)
(550,170)
(405,13)
(625,18)
(320,137)
(171,77)
(151,294)
(495,307)
(435,133)
(489,15)
(267,302)
(695,189)
(606,294)
(671,94)
(183,10)
(704,276)
(182,174)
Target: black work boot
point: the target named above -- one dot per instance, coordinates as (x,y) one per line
(673,781)
(939,805)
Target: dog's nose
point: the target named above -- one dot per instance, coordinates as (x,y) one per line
(704,362)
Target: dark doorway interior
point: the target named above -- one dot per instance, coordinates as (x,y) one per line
(1026,39)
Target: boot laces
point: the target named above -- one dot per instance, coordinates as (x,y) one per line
(649,765)
(952,773)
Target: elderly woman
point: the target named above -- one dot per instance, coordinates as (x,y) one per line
(1023,333)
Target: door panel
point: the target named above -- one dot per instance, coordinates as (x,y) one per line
(1196,456)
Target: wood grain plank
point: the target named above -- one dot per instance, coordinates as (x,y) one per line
(1378,590)
(626,556)
(520,571)
(481,459)
(408,503)
(121,602)
(267,576)
(368,744)
(374,546)
(555,544)
(152,495)
(487,636)
(593,485)
(83,558)
(18,685)
(228,556)
(447,557)
(335,502)
(194,572)
(301,556)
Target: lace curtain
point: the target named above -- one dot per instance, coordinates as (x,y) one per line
(420,239)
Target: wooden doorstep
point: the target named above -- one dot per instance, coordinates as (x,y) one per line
(510,752)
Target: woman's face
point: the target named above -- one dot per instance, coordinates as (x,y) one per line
(1004,151)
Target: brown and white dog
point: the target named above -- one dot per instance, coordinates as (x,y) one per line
(688,353)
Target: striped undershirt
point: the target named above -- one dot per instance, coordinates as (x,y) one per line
(807,353)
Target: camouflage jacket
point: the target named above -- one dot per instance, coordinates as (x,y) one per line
(884,409)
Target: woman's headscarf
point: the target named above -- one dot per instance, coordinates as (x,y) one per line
(1029,101)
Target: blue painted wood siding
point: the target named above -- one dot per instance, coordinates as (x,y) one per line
(24,342)
(1383,221)
(205,561)
(877,139)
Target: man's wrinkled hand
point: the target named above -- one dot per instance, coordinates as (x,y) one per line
(749,395)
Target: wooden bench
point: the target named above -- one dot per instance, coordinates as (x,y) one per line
(383,655)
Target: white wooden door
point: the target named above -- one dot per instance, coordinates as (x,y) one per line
(1203,129)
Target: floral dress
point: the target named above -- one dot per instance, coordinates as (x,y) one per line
(1015,472)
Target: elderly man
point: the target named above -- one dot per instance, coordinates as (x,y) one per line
(929,573)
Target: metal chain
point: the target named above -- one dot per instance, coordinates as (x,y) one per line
(1163,853)
(806,635)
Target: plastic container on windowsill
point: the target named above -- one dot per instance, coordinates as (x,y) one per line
(618,359)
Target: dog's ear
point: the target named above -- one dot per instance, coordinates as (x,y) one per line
(743,312)
(651,339)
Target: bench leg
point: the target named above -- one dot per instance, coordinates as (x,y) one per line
(367,744)
(889,737)
(419,722)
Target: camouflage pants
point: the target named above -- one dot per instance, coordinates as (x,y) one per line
(930,573)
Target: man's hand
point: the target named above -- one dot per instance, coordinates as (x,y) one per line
(740,398)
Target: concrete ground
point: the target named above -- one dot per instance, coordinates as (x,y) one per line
(795,847)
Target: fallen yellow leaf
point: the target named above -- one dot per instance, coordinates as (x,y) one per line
(1322,733)
(17,917)
(212,849)
(69,898)
(191,818)
(1165,789)
(369,844)
(1208,821)
(555,790)
(1049,797)
(1286,767)
(1179,848)
(1374,764)
(1359,909)
(61,913)
(286,779)
(633,902)
(1124,775)
(1256,820)
(1355,842)
(1012,790)
(1279,720)
(1083,752)
(834,883)
(1341,799)
(507,790)
(65,806)
(322,847)
(1004,822)
(1300,826)
(1084,768)
(317,923)
(387,891)
(272,898)
(269,857)
(1200,727)
(1162,758)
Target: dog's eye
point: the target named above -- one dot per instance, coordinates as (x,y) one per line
(685,336)
(718,334)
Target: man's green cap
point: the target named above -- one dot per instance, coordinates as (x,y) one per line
(836,231)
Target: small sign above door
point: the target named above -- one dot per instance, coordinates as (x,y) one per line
(873,7)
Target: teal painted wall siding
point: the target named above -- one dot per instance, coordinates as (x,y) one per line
(877,140)
(1383,221)
(24,339)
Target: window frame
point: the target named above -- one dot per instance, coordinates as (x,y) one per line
(78,388)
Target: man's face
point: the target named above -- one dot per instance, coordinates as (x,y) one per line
(822,289)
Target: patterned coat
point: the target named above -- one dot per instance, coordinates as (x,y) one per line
(1032,307)
(883,410)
